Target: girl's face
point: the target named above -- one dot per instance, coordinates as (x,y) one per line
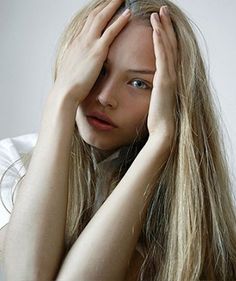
(122,91)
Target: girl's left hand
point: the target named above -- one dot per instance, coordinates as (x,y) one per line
(160,122)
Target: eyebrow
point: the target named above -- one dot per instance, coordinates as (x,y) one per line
(143,71)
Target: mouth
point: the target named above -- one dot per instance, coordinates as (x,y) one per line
(101,118)
(100,124)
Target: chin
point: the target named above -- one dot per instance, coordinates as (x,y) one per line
(101,145)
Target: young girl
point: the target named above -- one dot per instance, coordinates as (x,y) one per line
(128,179)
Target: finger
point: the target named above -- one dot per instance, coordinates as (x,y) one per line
(114,29)
(167,47)
(168,27)
(169,51)
(103,17)
(161,58)
(90,18)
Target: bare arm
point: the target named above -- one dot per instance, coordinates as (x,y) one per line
(104,248)
(39,214)
(35,236)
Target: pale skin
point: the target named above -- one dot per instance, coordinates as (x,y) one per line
(120,92)
(41,231)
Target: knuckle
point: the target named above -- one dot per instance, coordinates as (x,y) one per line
(109,32)
(100,17)
(91,15)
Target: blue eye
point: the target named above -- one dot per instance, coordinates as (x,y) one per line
(140,84)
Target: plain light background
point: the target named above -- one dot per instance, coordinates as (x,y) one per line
(30,31)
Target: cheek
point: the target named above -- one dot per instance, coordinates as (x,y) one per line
(141,110)
(137,119)
(136,126)
(139,116)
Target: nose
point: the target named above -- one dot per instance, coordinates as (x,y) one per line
(107,93)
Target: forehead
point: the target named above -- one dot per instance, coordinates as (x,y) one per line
(133,46)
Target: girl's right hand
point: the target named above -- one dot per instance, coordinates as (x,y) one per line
(85,57)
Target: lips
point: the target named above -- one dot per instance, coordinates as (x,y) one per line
(103,117)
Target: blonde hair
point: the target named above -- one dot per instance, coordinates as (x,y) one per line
(189,231)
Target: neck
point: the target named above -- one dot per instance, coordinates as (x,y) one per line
(100,154)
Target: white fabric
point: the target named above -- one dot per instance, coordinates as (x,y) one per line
(11,149)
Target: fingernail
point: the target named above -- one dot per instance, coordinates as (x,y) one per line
(126,13)
(165,9)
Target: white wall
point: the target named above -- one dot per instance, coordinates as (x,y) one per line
(217,24)
(29,32)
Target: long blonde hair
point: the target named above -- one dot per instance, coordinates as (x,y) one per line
(189,232)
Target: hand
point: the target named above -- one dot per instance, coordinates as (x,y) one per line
(160,123)
(85,57)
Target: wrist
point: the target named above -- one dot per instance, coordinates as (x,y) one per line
(59,114)
(61,98)
(161,145)
(60,106)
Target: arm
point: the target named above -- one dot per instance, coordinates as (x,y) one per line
(35,235)
(104,248)
(39,214)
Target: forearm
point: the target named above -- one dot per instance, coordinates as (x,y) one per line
(103,250)
(35,234)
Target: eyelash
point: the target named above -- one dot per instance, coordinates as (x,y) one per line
(146,86)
